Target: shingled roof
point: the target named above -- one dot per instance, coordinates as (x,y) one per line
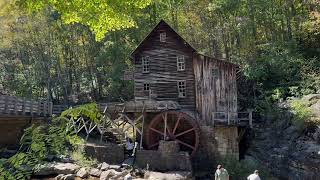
(163,23)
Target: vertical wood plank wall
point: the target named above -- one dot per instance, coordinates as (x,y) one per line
(214,93)
(163,75)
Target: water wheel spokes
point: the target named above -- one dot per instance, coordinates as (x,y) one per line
(173,126)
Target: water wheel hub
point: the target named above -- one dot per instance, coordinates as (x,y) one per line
(173,126)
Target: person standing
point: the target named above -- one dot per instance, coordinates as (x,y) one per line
(254,176)
(129,146)
(221,173)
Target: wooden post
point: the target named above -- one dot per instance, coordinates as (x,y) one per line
(44,107)
(15,102)
(39,108)
(23,106)
(250,117)
(142,126)
(213,116)
(165,126)
(31,107)
(50,108)
(6,99)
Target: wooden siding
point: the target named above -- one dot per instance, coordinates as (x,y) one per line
(214,93)
(163,75)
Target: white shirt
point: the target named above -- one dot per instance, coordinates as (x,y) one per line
(253,177)
(129,145)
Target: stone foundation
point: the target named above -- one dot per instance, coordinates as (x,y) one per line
(159,161)
(167,147)
(109,153)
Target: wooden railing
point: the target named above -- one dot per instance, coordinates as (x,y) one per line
(59,108)
(10,105)
(232,118)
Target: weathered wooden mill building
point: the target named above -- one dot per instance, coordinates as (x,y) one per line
(199,94)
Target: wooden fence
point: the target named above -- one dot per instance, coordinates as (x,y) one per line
(232,118)
(10,105)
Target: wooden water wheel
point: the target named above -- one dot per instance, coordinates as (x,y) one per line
(173,126)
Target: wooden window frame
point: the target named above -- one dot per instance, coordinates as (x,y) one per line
(163,36)
(145,64)
(181,63)
(215,72)
(146,86)
(182,89)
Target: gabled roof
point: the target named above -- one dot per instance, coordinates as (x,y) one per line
(161,23)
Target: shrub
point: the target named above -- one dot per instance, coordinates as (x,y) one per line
(302,114)
(242,169)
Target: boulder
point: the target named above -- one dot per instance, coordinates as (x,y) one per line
(95,172)
(104,166)
(311,97)
(128,177)
(82,173)
(174,175)
(105,175)
(55,168)
(120,175)
(59,177)
(115,167)
(64,159)
(69,177)
(315,107)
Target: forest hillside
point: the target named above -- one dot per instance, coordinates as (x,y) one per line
(75,52)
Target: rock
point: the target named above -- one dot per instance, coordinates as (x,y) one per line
(69,177)
(316,108)
(105,175)
(64,159)
(127,163)
(316,135)
(174,175)
(128,177)
(99,166)
(59,177)
(115,167)
(311,97)
(120,175)
(55,168)
(104,166)
(95,172)
(65,177)
(82,173)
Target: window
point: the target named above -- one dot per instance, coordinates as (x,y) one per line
(181,89)
(180,63)
(163,37)
(215,72)
(145,64)
(146,86)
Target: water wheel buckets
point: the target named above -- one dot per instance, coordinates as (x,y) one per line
(173,126)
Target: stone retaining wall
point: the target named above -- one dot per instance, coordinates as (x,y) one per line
(11,128)
(215,142)
(110,153)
